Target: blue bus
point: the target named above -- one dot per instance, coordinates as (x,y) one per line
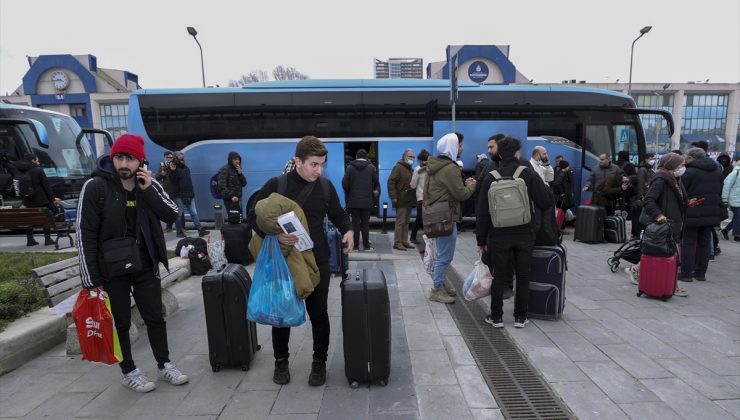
(63,149)
(263,121)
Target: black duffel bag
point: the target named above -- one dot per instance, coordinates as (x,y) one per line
(657,240)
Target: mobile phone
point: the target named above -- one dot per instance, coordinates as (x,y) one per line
(696,201)
(144,167)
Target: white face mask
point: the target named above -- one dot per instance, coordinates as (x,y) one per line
(678,172)
(651,162)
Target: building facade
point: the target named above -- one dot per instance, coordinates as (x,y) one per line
(399,68)
(75,85)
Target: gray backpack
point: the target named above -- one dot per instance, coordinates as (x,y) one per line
(508,200)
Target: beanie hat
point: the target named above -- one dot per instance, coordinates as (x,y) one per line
(129,144)
(670,161)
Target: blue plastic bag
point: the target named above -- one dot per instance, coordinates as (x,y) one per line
(272,299)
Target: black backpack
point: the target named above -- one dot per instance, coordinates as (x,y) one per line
(23,185)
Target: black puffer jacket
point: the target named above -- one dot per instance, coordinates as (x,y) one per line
(230,182)
(359,182)
(562,186)
(96,224)
(666,196)
(182,184)
(703,179)
(42,194)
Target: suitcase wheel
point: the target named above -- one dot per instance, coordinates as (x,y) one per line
(666,297)
(215,368)
(639,293)
(354,384)
(383,381)
(245,368)
(613,264)
(259,347)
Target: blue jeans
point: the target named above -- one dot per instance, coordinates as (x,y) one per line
(735,224)
(191,210)
(445,252)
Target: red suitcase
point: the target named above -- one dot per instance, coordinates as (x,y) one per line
(658,276)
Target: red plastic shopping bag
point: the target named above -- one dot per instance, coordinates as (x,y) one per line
(95,328)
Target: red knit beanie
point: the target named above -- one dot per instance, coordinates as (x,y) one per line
(129,144)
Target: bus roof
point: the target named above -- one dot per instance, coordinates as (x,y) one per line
(379,85)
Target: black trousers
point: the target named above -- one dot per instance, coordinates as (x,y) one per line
(418,221)
(148,297)
(316,306)
(361,224)
(519,254)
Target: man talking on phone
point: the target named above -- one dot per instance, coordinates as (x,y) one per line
(119,213)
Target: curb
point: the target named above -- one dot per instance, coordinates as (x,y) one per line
(29,336)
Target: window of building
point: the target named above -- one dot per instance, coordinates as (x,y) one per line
(77,110)
(656,129)
(114,118)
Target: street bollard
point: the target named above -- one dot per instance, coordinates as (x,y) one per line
(385,217)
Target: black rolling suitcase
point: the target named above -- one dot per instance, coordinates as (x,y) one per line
(232,340)
(338,260)
(547,282)
(366,325)
(615,229)
(236,240)
(589,224)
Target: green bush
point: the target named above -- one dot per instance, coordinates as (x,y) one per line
(18,298)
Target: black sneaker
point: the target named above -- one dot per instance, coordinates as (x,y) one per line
(282,373)
(32,242)
(700,277)
(203,232)
(520,321)
(180,234)
(497,322)
(717,251)
(685,277)
(726,234)
(317,377)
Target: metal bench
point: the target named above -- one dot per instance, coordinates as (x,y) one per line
(37,218)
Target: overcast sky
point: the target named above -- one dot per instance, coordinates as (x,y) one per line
(550,40)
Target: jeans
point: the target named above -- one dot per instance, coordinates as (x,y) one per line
(148,297)
(735,224)
(361,224)
(401,232)
(445,252)
(504,255)
(180,223)
(695,249)
(316,306)
(418,222)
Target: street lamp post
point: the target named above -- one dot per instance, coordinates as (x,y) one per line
(643,31)
(193,32)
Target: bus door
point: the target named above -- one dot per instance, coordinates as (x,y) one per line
(390,151)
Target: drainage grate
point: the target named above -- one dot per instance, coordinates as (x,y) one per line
(520,392)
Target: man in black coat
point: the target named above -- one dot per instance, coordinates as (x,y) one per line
(703,183)
(184,195)
(231,183)
(41,196)
(361,187)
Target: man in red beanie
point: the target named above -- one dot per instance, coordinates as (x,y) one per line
(119,214)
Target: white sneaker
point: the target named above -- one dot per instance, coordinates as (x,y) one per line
(137,381)
(172,374)
(634,277)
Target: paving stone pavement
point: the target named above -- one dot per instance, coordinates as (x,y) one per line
(616,356)
(433,375)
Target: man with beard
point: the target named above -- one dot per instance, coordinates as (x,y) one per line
(121,209)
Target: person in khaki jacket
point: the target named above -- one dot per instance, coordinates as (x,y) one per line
(403,198)
(444,184)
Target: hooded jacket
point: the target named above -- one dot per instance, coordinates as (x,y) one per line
(645,174)
(98,223)
(444,183)
(599,173)
(182,183)
(302,264)
(359,181)
(42,194)
(731,188)
(231,182)
(399,186)
(666,196)
(703,179)
(562,187)
(418,179)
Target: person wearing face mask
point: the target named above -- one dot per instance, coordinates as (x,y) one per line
(666,200)
(645,173)
(403,198)
(443,185)
(541,164)
(703,183)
